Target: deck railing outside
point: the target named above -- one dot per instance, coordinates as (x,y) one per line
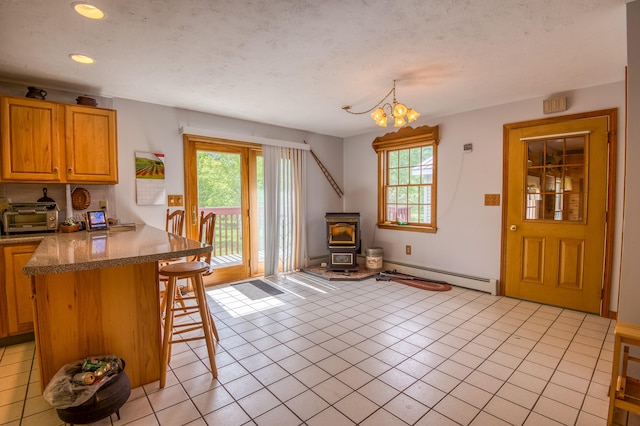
(227,238)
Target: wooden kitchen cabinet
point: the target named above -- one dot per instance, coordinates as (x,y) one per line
(90,139)
(45,141)
(15,297)
(30,140)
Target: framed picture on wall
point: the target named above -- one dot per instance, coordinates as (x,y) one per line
(150,186)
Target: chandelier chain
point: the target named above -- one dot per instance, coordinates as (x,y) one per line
(398,111)
(393,90)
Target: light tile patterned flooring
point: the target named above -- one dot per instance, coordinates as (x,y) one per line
(370,353)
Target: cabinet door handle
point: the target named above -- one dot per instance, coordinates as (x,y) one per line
(69,170)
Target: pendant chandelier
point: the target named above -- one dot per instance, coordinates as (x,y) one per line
(400,113)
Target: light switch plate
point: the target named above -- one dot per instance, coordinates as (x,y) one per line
(175,200)
(491,199)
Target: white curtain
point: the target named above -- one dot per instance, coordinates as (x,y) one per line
(285,203)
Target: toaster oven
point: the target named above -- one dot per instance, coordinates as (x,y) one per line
(30,217)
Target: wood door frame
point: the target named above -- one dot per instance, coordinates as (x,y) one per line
(191,143)
(257,267)
(612,115)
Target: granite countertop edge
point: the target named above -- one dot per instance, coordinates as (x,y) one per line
(42,263)
(109,263)
(22,239)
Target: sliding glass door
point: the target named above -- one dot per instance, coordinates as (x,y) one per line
(227,179)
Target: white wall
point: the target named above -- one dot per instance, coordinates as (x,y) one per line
(469,233)
(154,128)
(630,271)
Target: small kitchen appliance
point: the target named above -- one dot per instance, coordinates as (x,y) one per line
(30,217)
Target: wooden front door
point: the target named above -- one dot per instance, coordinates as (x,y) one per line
(557,185)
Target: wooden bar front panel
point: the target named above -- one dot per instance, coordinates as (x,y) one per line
(99,312)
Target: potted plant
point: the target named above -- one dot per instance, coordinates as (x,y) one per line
(69,226)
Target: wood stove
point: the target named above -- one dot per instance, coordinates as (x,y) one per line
(343,240)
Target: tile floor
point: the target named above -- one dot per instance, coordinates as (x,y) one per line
(369,353)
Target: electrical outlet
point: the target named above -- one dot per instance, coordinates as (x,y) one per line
(104,205)
(407,249)
(175,200)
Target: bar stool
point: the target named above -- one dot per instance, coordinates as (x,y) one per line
(174,223)
(624,391)
(205,235)
(193,271)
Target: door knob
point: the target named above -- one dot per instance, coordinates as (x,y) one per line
(513,228)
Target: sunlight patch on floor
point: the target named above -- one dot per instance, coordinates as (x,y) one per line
(238,304)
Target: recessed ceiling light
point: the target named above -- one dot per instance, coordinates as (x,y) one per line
(83,59)
(88,10)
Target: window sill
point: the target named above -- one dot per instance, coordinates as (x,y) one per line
(410,228)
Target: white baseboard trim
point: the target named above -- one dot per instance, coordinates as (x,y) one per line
(487,285)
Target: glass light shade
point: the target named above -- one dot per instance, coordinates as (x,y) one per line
(382,121)
(379,117)
(399,110)
(88,10)
(412,114)
(399,122)
(83,59)
(377,114)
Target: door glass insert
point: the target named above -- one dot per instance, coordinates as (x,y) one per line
(220,192)
(259,185)
(555,179)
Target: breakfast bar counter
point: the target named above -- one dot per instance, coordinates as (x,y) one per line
(97,294)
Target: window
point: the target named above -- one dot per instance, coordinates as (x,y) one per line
(407,179)
(556,179)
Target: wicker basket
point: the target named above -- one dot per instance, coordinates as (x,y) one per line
(70,228)
(80,199)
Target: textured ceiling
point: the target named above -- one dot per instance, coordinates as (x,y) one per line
(295,63)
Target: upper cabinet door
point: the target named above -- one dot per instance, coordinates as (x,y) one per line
(91,144)
(30,140)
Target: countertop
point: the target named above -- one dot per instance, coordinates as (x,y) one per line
(22,238)
(78,251)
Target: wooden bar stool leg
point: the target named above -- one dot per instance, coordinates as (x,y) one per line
(205,317)
(614,377)
(163,302)
(212,321)
(168,330)
(178,297)
(213,326)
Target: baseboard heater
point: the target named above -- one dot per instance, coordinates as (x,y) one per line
(488,285)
